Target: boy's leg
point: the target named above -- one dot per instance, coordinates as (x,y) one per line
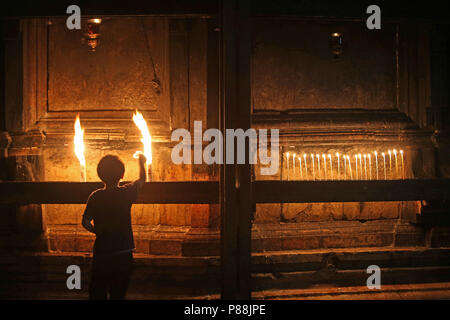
(121,277)
(99,279)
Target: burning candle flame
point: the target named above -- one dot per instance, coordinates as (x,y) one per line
(79,147)
(146,140)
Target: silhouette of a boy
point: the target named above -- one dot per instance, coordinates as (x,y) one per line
(109,208)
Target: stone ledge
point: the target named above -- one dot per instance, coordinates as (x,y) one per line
(185,241)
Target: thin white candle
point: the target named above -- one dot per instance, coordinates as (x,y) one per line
(370,167)
(300,164)
(324,165)
(384,162)
(390,163)
(287,166)
(376,162)
(313,170)
(403,165)
(293,166)
(350,166)
(306,166)
(345,166)
(331,167)
(365,167)
(356,166)
(396,164)
(338,164)
(318,164)
(360,165)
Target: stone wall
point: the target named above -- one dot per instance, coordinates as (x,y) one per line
(57,78)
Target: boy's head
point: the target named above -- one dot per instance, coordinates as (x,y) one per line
(110,169)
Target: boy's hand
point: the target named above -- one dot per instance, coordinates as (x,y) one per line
(142,159)
(142,174)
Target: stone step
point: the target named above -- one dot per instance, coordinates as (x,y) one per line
(386,292)
(176,276)
(302,269)
(342,278)
(349,258)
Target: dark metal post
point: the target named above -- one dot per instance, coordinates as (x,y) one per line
(236,179)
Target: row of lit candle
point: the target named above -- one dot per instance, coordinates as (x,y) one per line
(320,167)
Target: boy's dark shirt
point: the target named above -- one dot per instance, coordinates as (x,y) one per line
(110,209)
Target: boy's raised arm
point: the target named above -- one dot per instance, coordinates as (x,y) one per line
(133,189)
(142,173)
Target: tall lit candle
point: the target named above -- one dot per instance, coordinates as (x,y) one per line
(370,167)
(345,166)
(287,165)
(365,167)
(384,162)
(338,164)
(313,170)
(390,163)
(331,167)
(396,164)
(376,162)
(403,165)
(324,165)
(293,166)
(306,166)
(360,165)
(350,167)
(300,164)
(318,164)
(356,166)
